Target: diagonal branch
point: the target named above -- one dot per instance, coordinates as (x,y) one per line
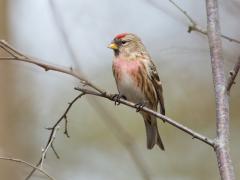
(28,164)
(193,24)
(232,76)
(166,119)
(16,55)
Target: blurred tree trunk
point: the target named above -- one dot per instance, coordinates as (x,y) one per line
(7,169)
(3,34)
(3,69)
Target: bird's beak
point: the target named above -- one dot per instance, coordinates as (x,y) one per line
(113,46)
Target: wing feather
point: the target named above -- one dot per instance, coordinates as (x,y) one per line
(153,75)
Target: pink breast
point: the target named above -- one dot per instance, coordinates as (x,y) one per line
(124,66)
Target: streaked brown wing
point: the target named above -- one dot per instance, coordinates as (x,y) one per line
(157,85)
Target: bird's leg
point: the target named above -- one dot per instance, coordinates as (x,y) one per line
(139,106)
(117,97)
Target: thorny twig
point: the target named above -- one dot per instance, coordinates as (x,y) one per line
(28,164)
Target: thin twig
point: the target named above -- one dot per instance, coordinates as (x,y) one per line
(195,27)
(54,150)
(184,12)
(52,135)
(44,151)
(232,76)
(222,99)
(28,164)
(66,127)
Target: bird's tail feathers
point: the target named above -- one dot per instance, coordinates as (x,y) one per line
(153,136)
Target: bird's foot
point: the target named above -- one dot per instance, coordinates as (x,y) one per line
(117,97)
(139,106)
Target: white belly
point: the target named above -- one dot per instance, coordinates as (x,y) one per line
(128,88)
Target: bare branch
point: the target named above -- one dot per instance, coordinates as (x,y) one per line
(28,164)
(195,27)
(16,55)
(44,151)
(52,136)
(158,115)
(232,76)
(66,127)
(222,105)
(54,150)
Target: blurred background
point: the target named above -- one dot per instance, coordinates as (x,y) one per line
(76,34)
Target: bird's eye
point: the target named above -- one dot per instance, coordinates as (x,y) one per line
(124,42)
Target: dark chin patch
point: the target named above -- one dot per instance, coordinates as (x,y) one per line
(116,52)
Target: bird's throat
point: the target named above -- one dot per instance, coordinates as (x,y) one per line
(116,52)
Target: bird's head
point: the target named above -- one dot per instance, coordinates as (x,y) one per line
(126,43)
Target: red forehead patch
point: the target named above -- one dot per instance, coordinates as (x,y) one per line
(119,36)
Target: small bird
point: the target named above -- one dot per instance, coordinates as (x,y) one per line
(138,81)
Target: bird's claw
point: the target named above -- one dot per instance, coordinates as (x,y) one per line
(117,97)
(139,106)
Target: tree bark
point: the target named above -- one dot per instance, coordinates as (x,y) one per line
(222,105)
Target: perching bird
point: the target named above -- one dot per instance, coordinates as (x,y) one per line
(138,81)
